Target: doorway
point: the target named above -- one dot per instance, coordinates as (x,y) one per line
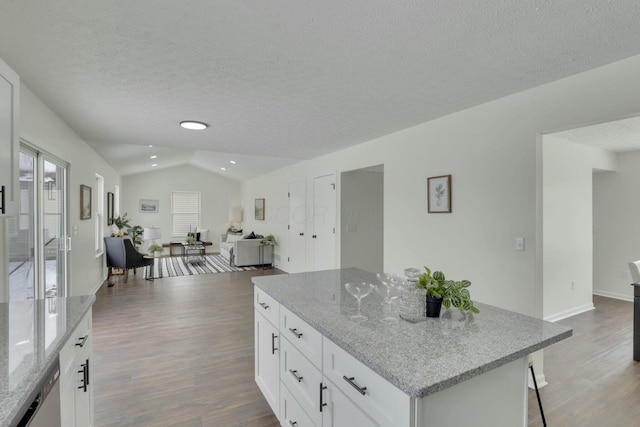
(37,235)
(362,219)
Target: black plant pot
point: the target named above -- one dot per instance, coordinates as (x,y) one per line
(433,306)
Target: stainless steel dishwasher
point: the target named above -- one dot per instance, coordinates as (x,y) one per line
(44,405)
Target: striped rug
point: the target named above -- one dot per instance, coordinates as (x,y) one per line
(173,266)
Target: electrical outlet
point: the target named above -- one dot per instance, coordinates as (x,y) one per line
(519,243)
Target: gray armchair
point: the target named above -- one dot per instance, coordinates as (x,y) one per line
(120,253)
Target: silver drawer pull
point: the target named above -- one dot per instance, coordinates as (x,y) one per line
(293,423)
(295,332)
(264,305)
(81,341)
(361,390)
(295,375)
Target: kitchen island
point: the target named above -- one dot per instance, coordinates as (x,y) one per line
(32,335)
(435,371)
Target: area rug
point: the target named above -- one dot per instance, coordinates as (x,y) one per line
(178,266)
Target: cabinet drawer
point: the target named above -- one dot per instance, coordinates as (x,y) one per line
(306,339)
(79,340)
(374,395)
(302,379)
(269,307)
(291,413)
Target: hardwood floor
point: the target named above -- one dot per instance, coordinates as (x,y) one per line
(593,380)
(179,352)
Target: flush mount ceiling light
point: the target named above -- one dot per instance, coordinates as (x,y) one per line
(191,125)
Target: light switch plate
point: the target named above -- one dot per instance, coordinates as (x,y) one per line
(519,243)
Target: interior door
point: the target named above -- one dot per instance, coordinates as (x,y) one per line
(297,227)
(324,222)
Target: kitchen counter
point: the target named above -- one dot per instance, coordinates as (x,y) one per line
(419,358)
(32,333)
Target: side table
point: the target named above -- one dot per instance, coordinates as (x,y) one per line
(149,275)
(261,261)
(193,252)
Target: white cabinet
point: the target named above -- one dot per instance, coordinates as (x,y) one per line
(76,387)
(9,140)
(340,411)
(267,353)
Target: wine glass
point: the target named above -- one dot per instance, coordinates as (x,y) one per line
(389,289)
(359,290)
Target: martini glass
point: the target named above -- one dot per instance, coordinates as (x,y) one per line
(389,289)
(359,290)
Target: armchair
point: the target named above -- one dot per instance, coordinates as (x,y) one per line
(120,253)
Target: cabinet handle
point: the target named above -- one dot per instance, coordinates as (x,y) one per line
(3,199)
(361,390)
(87,366)
(302,234)
(81,341)
(293,423)
(295,332)
(264,305)
(273,343)
(322,404)
(84,377)
(295,375)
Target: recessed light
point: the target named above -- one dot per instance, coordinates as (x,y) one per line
(154,165)
(151,146)
(223,169)
(153,157)
(191,125)
(233,162)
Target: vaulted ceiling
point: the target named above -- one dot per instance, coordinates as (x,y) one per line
(281,81)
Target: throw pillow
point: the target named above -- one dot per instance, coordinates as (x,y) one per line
(231,238)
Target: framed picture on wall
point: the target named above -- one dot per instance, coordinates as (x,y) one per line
(259,210)
(439,194)
(85,202)
(109,208)
(148,206)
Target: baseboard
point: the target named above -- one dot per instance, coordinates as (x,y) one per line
(569,313)
(540,379)
(613,295)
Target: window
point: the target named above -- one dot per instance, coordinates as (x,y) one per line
(99,210)
(185,212)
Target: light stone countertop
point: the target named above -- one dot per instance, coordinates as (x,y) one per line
(32,333)
(419,358)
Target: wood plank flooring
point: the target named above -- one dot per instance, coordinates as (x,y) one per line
(179,352)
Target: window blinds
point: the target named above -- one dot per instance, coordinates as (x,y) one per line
(185,212)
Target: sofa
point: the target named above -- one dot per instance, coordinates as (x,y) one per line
(244,250)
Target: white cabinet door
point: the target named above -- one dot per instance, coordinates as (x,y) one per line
(267,361)
(297,257)
(324,223)
(9,148)
(340,411)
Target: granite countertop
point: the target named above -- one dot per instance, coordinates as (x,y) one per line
(32,333)
(419,358)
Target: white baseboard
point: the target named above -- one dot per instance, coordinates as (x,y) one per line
(540,379)
(613,295)
(569,313)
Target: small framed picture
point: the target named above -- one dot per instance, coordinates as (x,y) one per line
(109,208)
(148,206)
(259,211)
(439,194)
(85,202)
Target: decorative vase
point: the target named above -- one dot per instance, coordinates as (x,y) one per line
(412,304)
(433,306)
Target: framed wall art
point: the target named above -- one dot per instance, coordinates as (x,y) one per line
(259,210)
(148,206)
(85,202)
(439,194)
(109,208)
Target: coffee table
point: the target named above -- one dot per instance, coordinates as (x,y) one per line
(193,252)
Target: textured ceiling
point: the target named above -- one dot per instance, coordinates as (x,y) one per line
(280,81)
(616,136)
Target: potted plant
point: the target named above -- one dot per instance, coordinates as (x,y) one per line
(122,224)
(440,291)
(269,239)
(155,250)
(190,240)
(135,232)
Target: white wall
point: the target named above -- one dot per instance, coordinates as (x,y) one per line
(616,231)
(362,220)
(568,224)
(43,128)
(491,151)
(217,194)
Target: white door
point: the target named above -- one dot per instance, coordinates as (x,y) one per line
(324,222)
(297,227)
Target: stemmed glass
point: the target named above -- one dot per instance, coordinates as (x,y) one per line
(389,289)
(359,290)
